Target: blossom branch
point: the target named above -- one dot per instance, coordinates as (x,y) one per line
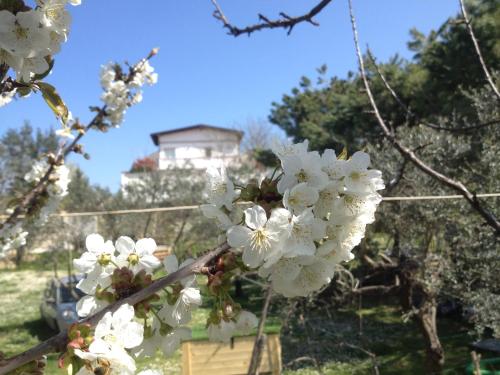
(407,153)
(285,22)
(58,342)
(32,197)
(478,50)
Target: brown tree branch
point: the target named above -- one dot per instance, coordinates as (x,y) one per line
(258,346)
(58,343)
(377,290)
(285,22)
(478,50)
(407,153)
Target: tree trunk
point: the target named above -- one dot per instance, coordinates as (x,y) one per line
(426,319)
(415,296)
(20,255)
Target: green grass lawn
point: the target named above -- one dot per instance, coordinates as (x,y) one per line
(316,334)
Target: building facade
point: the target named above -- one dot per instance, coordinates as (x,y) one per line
(197,146)
(192,147)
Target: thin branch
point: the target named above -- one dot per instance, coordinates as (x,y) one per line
(407,153)
(372,356)
(411,114)
(376,290)
(58,343)
(478,50)
(285,22)
(258,346)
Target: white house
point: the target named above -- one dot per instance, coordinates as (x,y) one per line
(197,146)
(192,147)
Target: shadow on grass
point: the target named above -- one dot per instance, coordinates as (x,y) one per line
(36,328)
(340,341)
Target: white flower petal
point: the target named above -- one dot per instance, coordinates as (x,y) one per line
(255,217)
(238,236)
(125,245)
(145,246)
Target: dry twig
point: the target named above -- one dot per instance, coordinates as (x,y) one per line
(411,114)
(478,50)
(407,153)
(285,22)
(258,346)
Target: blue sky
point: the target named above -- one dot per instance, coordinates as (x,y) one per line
(205,75)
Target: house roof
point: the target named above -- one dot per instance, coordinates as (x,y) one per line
(155,136)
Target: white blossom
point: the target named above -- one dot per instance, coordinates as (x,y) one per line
(115,333)
(260,238)
(305,230)
(21,34)
(180,312)
(167,343)
(6,97)
(300,197)
(360,179)
(97,261)
(221,192)
(137,256)
(302,168)
(246,322)
(284,149)
(221,332)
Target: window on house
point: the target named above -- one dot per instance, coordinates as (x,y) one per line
(208,152)
(169,153)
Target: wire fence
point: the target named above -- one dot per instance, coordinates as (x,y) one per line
(194,207)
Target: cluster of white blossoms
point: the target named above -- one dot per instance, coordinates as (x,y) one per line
(29,37)
(57,187)
(302,223)
(121,92)
(114,271)
(13,236)
(115,337)
(6,97)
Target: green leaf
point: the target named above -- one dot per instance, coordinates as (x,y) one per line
(54,101)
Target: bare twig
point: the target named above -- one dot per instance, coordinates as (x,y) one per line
(476,360)
(285,22)
(478,50)
(407,153)
(58,343)
(372,356)
(411,114)
(258,346)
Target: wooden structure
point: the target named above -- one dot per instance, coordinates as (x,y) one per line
(211,358)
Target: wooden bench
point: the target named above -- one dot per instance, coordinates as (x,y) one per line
(210,358)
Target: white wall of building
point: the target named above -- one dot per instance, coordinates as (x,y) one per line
(198,148)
